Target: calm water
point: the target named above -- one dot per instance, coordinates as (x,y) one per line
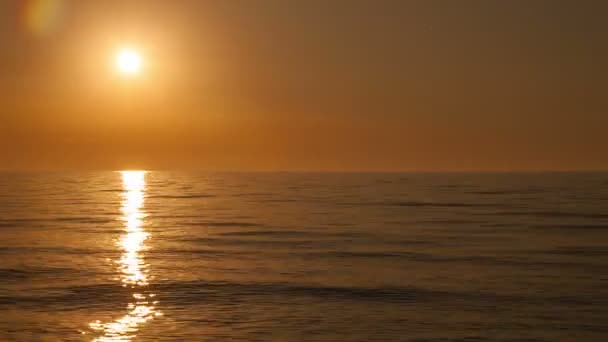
(303,257)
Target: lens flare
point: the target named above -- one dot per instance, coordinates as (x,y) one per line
(41,17)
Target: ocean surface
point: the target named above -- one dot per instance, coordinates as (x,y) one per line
(163,256)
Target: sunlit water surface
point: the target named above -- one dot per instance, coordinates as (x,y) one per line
(132,268)
(153,256)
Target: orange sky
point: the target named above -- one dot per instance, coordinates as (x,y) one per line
(305,85)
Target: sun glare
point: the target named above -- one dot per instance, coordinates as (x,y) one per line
(132,266)
(128,61)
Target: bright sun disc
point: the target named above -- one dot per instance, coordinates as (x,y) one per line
(128,61)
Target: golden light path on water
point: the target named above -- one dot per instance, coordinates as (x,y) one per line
(133,270)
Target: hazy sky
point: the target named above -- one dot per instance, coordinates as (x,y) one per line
(305,85)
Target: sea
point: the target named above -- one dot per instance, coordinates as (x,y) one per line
(211,256)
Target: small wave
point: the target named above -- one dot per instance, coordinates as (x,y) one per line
(50,220)
(418,204)
(578,251)
(228,293)
(280,200)
(249,243)
(469,259)
(466,339)
(111,190)
(510,191)
(253,194)
(454,186)
(163,254)
(449,222)
(176,216)
(18,221)
(182,196)
(364,254)
(548,214)
(55,250)
(278,233)
(83,220)
(12,274)
(196,292)
(70,298)
(291,233)
(571,226)
(102,231)
(223,224)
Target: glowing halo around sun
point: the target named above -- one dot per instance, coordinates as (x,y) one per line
(128,61)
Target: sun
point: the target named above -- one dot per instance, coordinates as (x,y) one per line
(128,61)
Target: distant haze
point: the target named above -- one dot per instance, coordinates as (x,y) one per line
(339,85)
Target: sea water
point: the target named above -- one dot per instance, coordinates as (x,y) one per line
(186,256)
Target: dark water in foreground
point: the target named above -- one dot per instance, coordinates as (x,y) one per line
(303,257)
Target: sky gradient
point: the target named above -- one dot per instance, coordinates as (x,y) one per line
(305,85)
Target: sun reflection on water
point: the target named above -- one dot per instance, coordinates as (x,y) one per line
(133,269)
